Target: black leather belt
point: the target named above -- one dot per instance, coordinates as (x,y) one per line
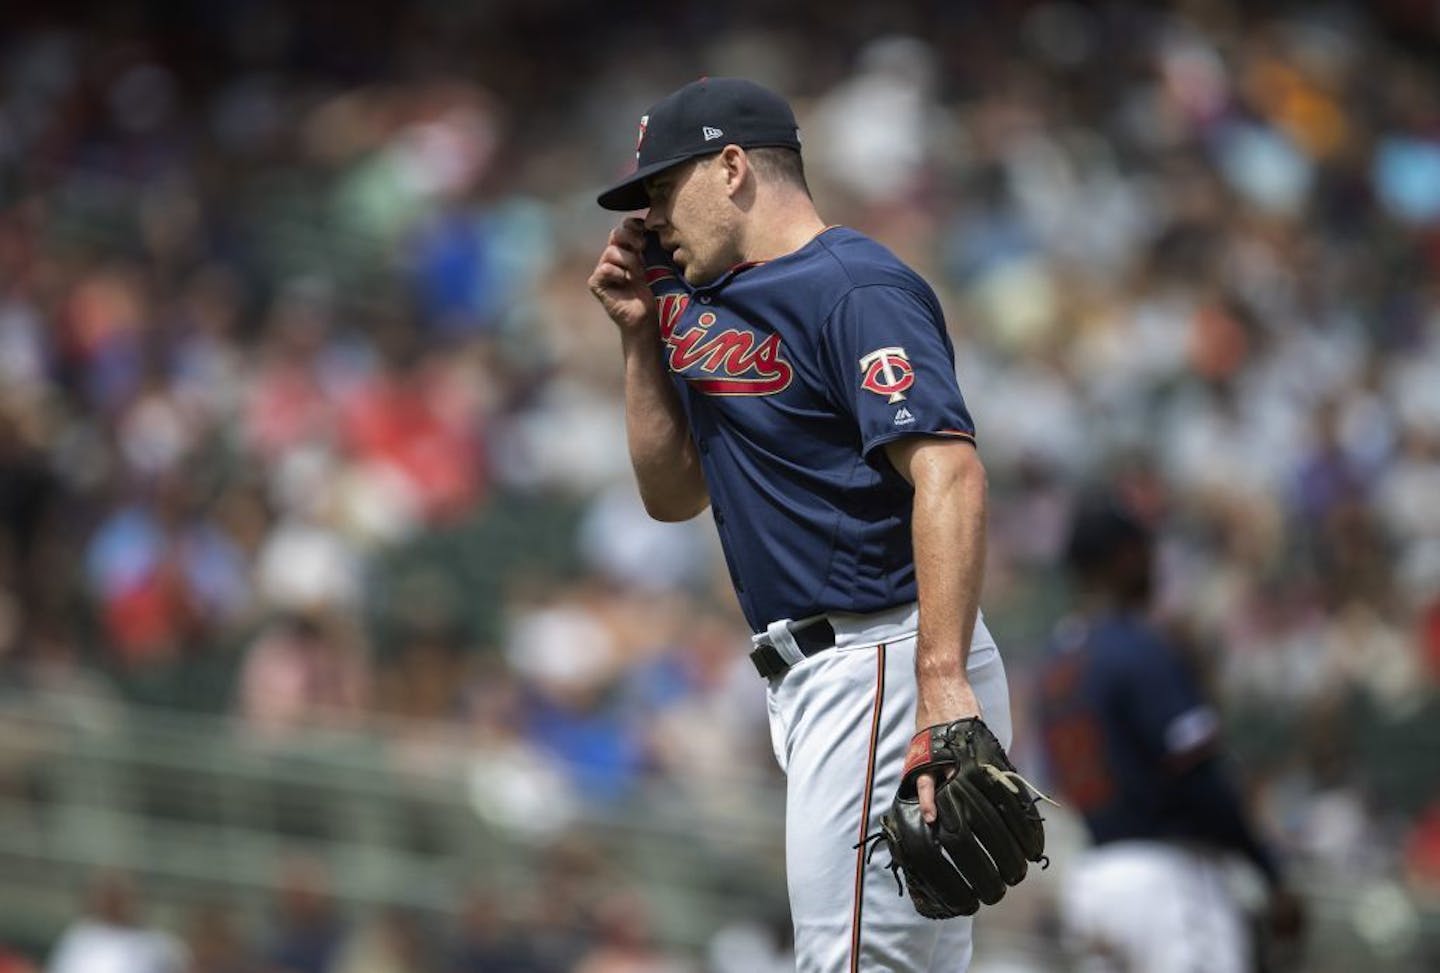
(816,636)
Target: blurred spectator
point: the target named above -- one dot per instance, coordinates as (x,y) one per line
(216,944)
(624,942)
(424,682)
(289,402)
(702,680)
(304,563)
(623,544)
(393,941)
(511,781)
(110,935)
(405,423)
(570,653)
(307,933)
(305,670)
(880,128)
(489,940)
(166,577)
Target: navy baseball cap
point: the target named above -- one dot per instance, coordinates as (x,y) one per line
(701,119)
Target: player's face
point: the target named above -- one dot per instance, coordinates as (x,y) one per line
(695,219)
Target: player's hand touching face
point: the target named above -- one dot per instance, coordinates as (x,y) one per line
(618,281)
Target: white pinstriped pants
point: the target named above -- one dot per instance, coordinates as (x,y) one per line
(840,721)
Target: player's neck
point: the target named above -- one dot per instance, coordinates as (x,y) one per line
(784,228)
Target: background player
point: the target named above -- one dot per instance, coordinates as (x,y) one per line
(798,380)
(1134,748)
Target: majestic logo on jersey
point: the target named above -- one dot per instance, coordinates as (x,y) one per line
(887,371)
(644,121)
(728,362)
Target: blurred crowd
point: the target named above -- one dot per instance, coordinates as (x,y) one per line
(306,932)
(292,303)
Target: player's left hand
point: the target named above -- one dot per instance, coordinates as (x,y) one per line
(960,702)
(987,826)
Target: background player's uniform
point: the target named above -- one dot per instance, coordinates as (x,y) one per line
(1131,745)
(794,374)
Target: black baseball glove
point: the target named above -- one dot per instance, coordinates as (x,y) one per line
(988,826)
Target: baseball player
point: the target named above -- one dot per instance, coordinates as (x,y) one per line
(1134,748)
(797,379)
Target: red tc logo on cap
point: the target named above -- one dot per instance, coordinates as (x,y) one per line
(639,138)
(887,372)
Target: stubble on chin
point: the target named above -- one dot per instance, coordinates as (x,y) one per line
(696,275)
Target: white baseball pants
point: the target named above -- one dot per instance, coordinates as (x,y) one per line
(1152,906)
(840,721)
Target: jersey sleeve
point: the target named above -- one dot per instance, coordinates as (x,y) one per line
(890,363)
(1169,714)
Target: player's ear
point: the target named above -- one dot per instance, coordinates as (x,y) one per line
(735,168)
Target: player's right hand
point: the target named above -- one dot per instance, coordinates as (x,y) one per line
(618,281)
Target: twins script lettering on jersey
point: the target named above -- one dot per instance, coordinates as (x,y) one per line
(750,366)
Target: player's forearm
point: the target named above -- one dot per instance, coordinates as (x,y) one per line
(662,452)
(949,541)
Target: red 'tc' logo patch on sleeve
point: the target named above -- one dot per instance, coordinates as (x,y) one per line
(887,371)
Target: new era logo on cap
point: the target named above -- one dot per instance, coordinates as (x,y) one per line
(700,119)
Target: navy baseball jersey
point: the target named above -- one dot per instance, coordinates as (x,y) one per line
(794,373)
(1122,716)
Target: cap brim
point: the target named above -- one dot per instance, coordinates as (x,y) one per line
(624,197)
